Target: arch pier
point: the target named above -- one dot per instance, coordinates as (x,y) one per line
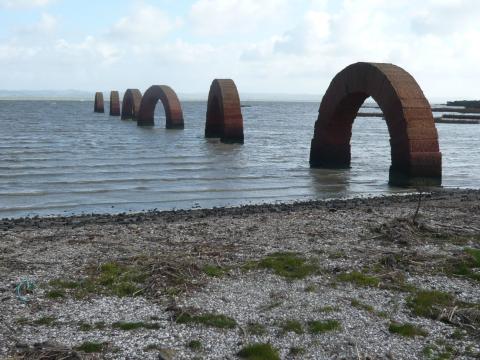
(171,104)
(224,115)
(114,103)
(131,104)
(98,106)
(415,153)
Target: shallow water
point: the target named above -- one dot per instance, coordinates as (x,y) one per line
(61,158)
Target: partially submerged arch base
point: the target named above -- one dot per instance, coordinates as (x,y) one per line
(224,115)
(171,104)
(131,104)
(415,153)
(114,103)
(98,106)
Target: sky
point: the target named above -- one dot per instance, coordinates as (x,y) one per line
(265,46)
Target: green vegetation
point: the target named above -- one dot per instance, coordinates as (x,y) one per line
(292,326)
(56,294)
(406,330)
(83,326)
(110,278)
(359,279)
(212,320)
(259,352)
(297,351)
(428,303)
(45,321)
(286,264)
(127,326)
(362,306)
(438,352)
(310,288)
(256,329)
(319,327)
(328,309)
(465,265)
(90,347)
(195,345)
(213,270)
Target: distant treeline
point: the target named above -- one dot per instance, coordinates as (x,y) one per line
(466,103)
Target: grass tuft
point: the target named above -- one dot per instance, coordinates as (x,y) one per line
(259,352)
(429,303)
(288,265)
(406,330)
(45,321)
(90,347)
(195,345)
(319,327)
(292,326)
(360,279)
(256,329)
(56,294)
(212,320)
(213,270)
(127,326)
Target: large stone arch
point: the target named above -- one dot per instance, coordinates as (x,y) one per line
(98,106)
(171,104)
(224,115)
(114,103)
(415,153)
(131,104)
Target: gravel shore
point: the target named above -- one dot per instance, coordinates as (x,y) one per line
(394,277)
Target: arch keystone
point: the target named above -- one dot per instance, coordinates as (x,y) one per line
(98,106)
(415,154)
(114,103)
(131,104)
(171,104)
(224,115)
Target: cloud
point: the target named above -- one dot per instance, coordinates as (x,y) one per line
(22,4)
(226,17)
(144,23)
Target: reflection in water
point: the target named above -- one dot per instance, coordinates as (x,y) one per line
(61,158)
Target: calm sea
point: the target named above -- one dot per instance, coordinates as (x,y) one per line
(58,157)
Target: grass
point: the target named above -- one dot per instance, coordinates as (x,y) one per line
(259,352)
(406,330)
(297,351)
(213,270)
(45,321)
(286,264)
(90,347)
(256,329)
(360,279)
(328,309)
(320,327)
(112,278)
(195,345)
(128,326)
(56,294)
(292,326)
(362,306)
(428,303)
(212,320)
(466,264)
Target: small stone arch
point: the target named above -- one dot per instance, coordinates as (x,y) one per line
(98,106)
(131,104)
(171,104)
(415,153)
(224,115)
(114,103)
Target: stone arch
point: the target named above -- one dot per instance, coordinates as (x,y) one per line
(415,153)
(114,103)
(224,115)
(98,106)
(171,104)
(131,104)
